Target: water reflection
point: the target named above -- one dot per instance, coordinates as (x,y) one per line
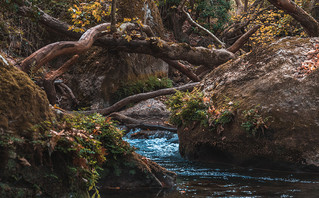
(217,180)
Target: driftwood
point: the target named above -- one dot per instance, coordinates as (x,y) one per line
(132,123)
(140,97)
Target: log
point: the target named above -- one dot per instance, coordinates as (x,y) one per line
(47,53)
(155,47)
(134,123)
(140,97)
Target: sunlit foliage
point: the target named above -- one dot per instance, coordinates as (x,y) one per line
(87,13)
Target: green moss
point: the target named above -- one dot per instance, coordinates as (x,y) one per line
(152,83)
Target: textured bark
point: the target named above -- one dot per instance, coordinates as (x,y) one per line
(310,25)
(47,53)
(54,74)
(183,69)
(239,7)
(113,16)
(140,97)
(243,39)
(155,47)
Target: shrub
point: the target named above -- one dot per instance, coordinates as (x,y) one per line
(194,106)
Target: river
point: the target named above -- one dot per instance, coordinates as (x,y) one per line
(196,179)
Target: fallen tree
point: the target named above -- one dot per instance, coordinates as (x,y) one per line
(140,97)
(132,123)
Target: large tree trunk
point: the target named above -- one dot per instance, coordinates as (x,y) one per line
(310,25)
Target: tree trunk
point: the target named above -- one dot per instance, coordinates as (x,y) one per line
(310,25)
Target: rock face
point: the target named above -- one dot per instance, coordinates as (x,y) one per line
(100,73)
(269,77)
(27,166)
(137,172)
(151,110)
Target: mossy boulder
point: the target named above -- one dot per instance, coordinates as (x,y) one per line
(269,82)
(100,73)
(39,158)
(26,168)
(135,173)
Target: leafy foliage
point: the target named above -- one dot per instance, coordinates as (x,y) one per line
(192,107)
(254,123)
(91,141)
(311,64)
(85,13)
(214,15)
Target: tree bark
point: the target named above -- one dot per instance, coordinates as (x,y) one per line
(240,7)
(47,53)
(310,25)
(140,97)
(243,39)
(113,16)
(134,123)
(155,47)
(183,69)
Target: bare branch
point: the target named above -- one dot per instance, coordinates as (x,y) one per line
(243,39)
(192,22)
(113,16)
(134,123)
(47,53)
(54,74)
(140,97)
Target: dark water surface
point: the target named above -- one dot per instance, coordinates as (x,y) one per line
(217,180)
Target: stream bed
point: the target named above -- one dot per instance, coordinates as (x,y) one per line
(196,179)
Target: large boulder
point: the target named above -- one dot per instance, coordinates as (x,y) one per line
(33,162)
(268,81)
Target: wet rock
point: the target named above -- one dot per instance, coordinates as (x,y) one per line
(152,110)
(270,78)
(151,134)
(137,172)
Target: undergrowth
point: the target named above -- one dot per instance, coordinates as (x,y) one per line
(187,107)
(90,141)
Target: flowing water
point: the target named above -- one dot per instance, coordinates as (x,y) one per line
(218,180)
